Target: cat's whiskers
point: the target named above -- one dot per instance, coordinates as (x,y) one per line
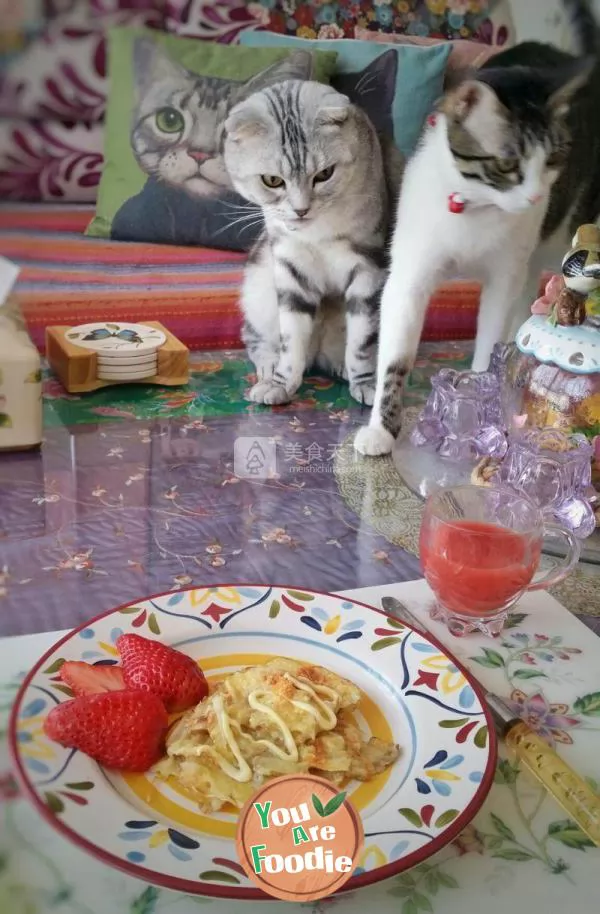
(366,80)
(241,219)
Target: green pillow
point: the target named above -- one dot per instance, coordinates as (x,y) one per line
(164,180)
(396,85)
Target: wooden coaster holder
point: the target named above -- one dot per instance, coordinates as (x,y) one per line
(77,367)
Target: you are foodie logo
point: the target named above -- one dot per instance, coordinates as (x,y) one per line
(299,838)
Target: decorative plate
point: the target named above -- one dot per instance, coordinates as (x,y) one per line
(413,692)
(118,339)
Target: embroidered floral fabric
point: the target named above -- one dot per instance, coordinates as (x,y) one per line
(486,21)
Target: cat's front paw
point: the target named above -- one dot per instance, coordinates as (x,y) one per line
(269,392)
(372,441)
(363,391)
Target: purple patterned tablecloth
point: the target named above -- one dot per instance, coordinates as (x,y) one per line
(108,514)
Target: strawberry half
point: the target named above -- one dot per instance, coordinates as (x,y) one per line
(86,679)
(154,667)
(123,730)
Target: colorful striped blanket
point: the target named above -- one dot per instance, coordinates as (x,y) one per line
(68,278)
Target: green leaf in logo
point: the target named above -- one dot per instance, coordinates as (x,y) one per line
(588,705)
(334,803)
(297,595)
(318,805)
(274,610)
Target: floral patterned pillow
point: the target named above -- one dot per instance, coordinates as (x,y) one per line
(488,21)
(62,74)
(50,161)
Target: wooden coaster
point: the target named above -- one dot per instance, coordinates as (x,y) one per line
(77,367)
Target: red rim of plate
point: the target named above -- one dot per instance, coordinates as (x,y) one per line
(247,894)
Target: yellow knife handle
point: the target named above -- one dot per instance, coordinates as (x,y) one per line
(565,785)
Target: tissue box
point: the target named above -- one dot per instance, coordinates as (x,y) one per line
(20,382)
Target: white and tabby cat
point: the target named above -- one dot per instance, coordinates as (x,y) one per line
(519,143)
(313,163)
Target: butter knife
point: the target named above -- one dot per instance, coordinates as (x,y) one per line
(567,787)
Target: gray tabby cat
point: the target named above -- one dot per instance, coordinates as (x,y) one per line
(313,163)
(176,137)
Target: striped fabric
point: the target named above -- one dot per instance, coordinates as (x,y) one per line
(67,278)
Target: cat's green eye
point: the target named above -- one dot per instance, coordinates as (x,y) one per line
(324,175)
(272,181)
(170,120)
(507,166)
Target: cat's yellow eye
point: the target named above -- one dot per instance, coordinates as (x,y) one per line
(272,181)
(506,166)
(169,120)
(324,175)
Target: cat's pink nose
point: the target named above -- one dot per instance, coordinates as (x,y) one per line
(198,155)
(535,198)
(301,212)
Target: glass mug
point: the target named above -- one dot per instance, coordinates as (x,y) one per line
(480,549)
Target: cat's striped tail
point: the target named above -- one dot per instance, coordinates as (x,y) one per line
(585,25)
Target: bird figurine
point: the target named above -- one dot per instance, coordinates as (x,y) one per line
(575,302)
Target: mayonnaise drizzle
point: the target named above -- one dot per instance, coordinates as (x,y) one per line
(243,773)
(288,739)
(327,720)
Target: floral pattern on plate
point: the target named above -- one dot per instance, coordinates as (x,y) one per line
(156,833)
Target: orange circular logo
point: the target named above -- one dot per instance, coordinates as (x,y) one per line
(299,838)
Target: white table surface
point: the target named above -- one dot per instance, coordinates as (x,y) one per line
(520,854)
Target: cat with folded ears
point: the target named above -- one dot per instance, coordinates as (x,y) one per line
(310,295)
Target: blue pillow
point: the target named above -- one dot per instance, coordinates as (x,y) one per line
(396,84)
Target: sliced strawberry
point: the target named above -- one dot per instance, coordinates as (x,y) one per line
(154,667)
(86,679)
(123,730)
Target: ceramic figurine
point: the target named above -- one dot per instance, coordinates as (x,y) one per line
(551,378)
(569,308)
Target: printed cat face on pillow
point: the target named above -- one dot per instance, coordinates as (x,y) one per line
(509,132)
(373,89)
(297,171)
(178,117)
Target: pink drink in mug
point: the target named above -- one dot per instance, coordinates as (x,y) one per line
(480,549)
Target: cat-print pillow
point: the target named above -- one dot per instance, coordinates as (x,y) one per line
(396,85)
(164,180)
